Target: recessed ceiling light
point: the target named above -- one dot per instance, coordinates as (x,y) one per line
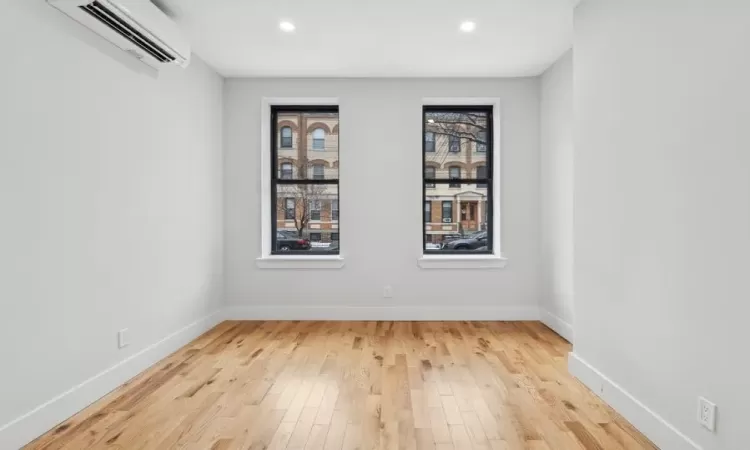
(286,26)
(468,26)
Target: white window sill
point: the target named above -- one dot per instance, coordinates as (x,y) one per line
(300,262)
(462,262)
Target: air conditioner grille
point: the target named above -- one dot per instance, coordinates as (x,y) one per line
(124,29)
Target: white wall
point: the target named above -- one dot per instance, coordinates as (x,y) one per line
(110,186)
(381,202)
(556,301)
(662,223)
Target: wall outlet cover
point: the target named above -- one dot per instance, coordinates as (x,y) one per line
(706,414)
(122,338)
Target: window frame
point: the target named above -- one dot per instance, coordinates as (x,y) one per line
(276,180)
(490,108)
(427,211)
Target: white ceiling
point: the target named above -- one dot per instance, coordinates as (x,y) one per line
(377,38)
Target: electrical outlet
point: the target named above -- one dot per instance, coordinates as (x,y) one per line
(122,338)
(388,292)
(706,414)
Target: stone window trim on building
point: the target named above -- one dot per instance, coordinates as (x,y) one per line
(495,259)
(266,259)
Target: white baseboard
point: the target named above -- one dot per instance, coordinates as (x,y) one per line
(395,313)
(653,426)
(558,325)
(33,424)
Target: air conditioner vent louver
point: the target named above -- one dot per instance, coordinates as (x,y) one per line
(108,18)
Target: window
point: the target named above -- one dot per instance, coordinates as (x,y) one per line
(454,174)
(454,143)
(464,196)
(318,172)
(300,190)
(447,212)
(334,237)
(290,209)
(286,171)
(335,211)
(429,141)
(286,137)
(319,139)
(482,141)
(481,174)
(314,209)
(429,174)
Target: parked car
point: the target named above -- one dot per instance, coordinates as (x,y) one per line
(471,242)
(285,243)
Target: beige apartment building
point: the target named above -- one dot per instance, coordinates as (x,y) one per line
(456,207)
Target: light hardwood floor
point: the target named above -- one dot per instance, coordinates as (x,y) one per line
(355,385)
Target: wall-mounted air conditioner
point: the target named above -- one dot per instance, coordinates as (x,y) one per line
(136,26)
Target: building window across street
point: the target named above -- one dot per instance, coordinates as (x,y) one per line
(300,191)
(457,177)
(319,139)
(286,137)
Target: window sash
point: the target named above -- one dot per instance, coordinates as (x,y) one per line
(318,172)
(280,174)
(484,221)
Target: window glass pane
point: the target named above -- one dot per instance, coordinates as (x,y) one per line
(456,216)
(319,139)
(429,141)
(455,135)
(429,173)
(286,137)
(454,173)
(318,146)
(286,171)
(457,225)
(303,217)
(335,210)
(481,143)
(481,173)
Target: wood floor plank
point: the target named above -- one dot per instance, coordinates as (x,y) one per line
(355,385)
